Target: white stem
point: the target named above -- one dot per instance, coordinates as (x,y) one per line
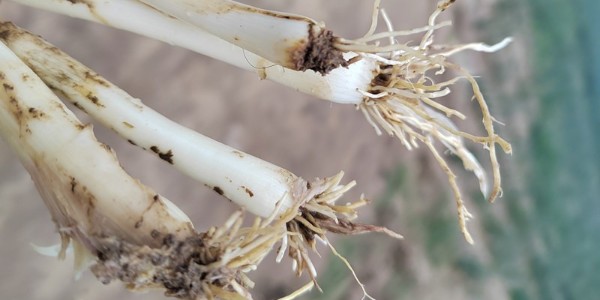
(341,85)
(393,84)
(303,209)
(275,36)
(87,192)
(248,181)
(125,229)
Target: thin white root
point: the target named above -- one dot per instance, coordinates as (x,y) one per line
(349,266)
(404,101)
(299,292)
(316,214)
(479,47)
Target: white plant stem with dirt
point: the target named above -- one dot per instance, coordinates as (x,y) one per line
(393,84)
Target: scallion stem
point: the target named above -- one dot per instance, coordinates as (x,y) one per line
(293,41)
(262,188)
(393,84)
(59,152)
(340,85)
(123,228)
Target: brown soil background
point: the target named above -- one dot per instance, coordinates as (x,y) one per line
(307,136)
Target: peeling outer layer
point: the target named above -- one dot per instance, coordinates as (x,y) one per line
(318,53)
(339,86)
(292,41)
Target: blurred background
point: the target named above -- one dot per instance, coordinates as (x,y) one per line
(540,241)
